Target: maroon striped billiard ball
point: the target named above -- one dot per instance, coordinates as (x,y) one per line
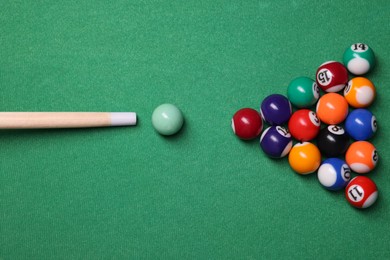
(247,123)
(332,76)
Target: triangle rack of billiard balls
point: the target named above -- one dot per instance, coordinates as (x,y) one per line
(336,125)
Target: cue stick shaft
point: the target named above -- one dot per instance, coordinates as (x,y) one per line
(30,120)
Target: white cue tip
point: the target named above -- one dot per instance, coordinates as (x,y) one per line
(123,118)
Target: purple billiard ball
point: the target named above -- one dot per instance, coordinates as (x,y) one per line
(276,141)
(276,109)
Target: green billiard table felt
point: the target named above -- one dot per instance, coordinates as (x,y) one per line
(130,193)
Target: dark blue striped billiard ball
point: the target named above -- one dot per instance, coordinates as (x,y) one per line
(334,174)
(361,124)
(276,109)
(276,141)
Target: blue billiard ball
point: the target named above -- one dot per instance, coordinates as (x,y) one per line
(361,124)
(276,109)
(276,141)
(334,174)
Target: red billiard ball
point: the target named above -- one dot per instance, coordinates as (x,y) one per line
(247,123)
(361,192)
(332,76)
(304,125)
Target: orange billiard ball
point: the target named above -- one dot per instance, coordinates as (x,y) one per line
(332,108)
(361,157)
(360,92)
(304,158)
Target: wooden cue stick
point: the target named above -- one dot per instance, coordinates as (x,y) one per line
(29,120)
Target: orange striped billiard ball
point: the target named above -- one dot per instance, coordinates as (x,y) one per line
(360,92)
(332,109)
(361,157)
(304,158)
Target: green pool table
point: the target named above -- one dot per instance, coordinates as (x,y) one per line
(130,193)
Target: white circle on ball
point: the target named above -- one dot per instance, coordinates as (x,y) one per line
(358,66)
(314,119)
(316,91)
(370,200)
(345,172)
(374,124)
(364,95)
(283,131)
(327,175)
(355,193)
(359,167)
(375,157)
(335,129)
(359,47)
(348,88)
(324,76)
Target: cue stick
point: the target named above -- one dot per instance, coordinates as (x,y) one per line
(31,120)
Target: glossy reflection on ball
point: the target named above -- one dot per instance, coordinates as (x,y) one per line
(361,192)
(360,92)
(303,92)
(276,109)
(304,125)
(359,58)
(362,157)
(361,124)
(334,174)
(167,119)
(332,108)
(247,123)
(333,141)
(332,76)
(304,158)
(276,141)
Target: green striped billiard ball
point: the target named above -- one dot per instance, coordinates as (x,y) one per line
(359,58)
(303,92)
(167,119)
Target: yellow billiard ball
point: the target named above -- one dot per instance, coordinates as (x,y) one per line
(304,158)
